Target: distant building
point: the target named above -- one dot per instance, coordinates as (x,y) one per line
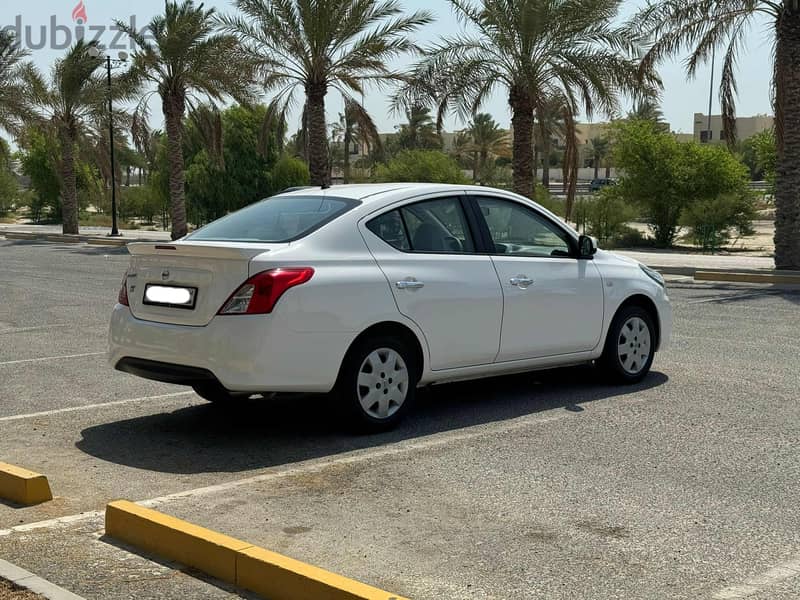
(745,127)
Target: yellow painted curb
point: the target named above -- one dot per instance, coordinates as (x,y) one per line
(266,573)
(747,277)
(104,242)
(160,534)
(23,486)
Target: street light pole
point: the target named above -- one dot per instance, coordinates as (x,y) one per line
(114,230)
(98,52)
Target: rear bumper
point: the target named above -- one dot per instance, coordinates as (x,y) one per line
(165,372)
(256,353)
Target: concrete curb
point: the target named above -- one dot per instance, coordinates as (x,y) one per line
(37,585)
(110,242)
(22,486)
(788,277)
(266,573)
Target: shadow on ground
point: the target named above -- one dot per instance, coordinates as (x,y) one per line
(253,434)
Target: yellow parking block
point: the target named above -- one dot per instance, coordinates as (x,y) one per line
(166,536)
(266,573)
(278,577)
(23,486)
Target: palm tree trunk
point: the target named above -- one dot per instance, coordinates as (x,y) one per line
(608,170)
(787,118)
(346,158)
(318,157)
(484,158)
(522,148)
(174,108)
(596,166)
(535,161)
(69,183)
(546,163)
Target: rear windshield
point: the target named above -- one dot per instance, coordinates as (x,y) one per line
(277,219)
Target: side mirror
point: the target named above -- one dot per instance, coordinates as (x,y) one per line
(587,247)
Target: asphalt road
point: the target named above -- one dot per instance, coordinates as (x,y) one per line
(545,485)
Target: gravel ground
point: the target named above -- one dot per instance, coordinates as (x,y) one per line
(9,591)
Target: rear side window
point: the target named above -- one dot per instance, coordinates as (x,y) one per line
(430,226)
(277,219)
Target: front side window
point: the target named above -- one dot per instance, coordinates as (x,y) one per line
(430,226)
(519,230)
(278,219)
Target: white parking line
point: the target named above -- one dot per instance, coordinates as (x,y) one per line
(37,328)
(46,358)
(70,409)
(778,574)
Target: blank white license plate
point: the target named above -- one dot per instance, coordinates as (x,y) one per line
(171,296)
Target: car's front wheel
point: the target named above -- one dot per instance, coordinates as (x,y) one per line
(377,383)
(630,345)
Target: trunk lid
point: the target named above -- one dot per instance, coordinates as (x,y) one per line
(215,270)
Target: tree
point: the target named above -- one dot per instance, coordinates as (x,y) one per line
(533,50)
(9,189)
(355,126)
(600,151)
(39,156)
(431,166)
(646,109)
(418,132)
(663,176)
(316,45)
(75,97)
(185,58)
(488,141)
(764,154)
(702,26)
(13,94)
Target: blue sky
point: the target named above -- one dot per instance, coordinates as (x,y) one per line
(681,98)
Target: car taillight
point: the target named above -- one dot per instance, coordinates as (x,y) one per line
(122,298)
(259,294)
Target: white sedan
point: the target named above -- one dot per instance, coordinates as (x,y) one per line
(370,291)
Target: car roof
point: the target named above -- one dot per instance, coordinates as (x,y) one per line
(369,192)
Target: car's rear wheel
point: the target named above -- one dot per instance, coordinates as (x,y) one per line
(630,345)
(377,383)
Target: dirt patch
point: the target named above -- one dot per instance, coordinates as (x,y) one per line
(9,591)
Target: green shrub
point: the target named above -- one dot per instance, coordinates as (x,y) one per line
(543,197)
(607,215)
(630,237)
(712,221)
(289,172)
(431,166)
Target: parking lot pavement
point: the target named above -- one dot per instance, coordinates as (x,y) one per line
(544,485)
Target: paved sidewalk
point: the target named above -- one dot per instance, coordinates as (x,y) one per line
(127,234)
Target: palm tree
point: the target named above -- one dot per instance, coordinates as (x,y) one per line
(185,58)
(70,106)
(601,146)
(13,97)
(355,125)
(419,132)
(646,109)
(533,50)
(318,45)
(700,27)
(488,140)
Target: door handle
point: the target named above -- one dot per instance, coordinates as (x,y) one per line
(409,284)
(521,281)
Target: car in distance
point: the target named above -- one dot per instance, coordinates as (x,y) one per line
(370,291)
(598,184)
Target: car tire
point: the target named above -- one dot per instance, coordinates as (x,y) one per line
(215,392)
(377,384)
(630,345)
